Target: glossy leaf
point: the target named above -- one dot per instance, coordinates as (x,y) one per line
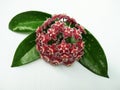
(26,51)
(28,21)
(94,57)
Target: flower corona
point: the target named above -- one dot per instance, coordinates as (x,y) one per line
(59,40)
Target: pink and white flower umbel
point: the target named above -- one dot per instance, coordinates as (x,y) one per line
(59,40)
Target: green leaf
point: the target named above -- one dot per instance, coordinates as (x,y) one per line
(94,57)
(28,21)
(26,51)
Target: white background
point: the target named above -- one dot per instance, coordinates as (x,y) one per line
(101,17)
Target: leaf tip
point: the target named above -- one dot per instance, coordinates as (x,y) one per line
(107,76)
(13,65)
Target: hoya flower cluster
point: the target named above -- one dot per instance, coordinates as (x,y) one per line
(59,40)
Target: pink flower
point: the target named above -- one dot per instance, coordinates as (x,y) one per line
(58,42)
(68,32)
